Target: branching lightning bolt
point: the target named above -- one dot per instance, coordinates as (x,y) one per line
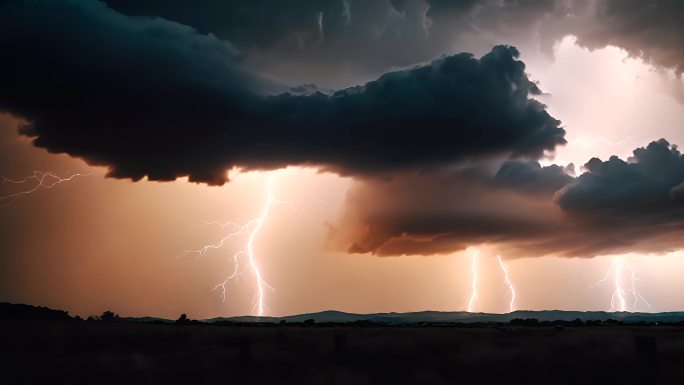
(40,179)
(474,276)
(635,293)
(252,228)
(618,301)
(509,283)
(474,253)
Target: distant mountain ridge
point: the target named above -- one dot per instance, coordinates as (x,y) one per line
(21,312)
(463,317)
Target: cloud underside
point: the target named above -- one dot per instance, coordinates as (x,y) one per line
(525,209)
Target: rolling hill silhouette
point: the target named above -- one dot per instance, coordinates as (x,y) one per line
(463,317)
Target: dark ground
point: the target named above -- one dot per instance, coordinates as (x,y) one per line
(58,352)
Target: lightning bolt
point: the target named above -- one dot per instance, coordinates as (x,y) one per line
(250,249)
(40,179)
(635,293)
(509,283)
(474,253)
(474,275)
(618,300)
(252,228)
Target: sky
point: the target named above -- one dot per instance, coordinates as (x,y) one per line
(372,156)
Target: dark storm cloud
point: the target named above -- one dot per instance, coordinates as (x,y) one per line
(116,90)
(456,108)
(616,206)
(268,23)
(530,177)
(646,185)
(444,211)
(148,97)
(254,23)
(631,205)
(650,29)
(308,40)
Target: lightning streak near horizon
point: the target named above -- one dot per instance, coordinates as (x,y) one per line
(618,300)
(509,283)
(251,228)
(474,253)
(46,180)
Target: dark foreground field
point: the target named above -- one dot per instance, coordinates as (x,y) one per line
(127,353)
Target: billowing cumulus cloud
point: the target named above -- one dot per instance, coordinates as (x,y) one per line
(527,210)
(631,205)
(647,182)
(148,97)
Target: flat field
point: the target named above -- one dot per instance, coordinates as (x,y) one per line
(129,353)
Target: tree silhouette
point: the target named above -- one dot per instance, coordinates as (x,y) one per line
(183,320)
(109,316)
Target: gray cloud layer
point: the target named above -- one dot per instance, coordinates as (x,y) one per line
(308,41)
(358,39)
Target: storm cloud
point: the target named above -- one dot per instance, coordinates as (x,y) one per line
(149,97)
(445,153)
(631,205)
(649,29)
(646,189)
(309,40)
(355,40)
(446,211)
(525,209)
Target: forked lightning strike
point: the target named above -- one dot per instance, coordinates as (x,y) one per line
(474,275)
(474,253)
(251,228)
(618,300)
(509,283)
(45,180)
